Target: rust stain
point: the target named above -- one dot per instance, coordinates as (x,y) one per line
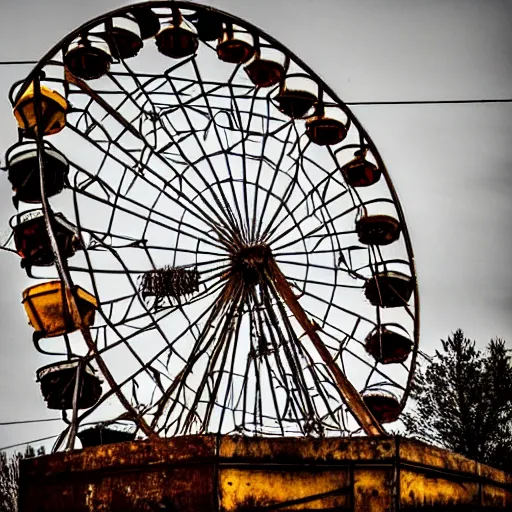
(421,490)
(373,490)
(416,452)
(251,489)
(117,456)
(302,449)
(237,474)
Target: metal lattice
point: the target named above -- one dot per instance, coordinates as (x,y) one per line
(220,244)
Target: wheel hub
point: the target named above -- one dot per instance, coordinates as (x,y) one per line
(250,262)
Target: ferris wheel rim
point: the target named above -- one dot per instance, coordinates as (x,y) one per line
(198,7)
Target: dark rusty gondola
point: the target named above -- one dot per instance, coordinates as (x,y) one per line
(123,38)
(88,58)
(325,131)
(268,67)
(265,72)
(233,46)
(384,406)
(298,94)
(378,229)
(389,289)
(58,383)
(33,243)
(22,164)
(104,434)
(387,346)
(178,39)
(359,172)
(295,103)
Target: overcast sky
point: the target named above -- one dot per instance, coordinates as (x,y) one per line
(451,164)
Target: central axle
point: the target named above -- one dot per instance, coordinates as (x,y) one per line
(251,262)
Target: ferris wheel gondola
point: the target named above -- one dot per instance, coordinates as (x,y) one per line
(217,234)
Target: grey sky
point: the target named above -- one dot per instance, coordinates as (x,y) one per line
(450,163)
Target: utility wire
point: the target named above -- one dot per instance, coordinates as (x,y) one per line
(430,102)
(28,442)
(21,422)
(18,62)
(350,103)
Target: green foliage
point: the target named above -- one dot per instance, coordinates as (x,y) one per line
(463,401)
(9,477)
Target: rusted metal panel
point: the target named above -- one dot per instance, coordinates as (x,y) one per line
(493,474)
(123,477)
(120,455)
(419,489)
(496,488)
(302,450)
(178,490)
(373,489)
(242,490)
(181,489)
(416,452)
(232,474)
(42,496)
(496,497)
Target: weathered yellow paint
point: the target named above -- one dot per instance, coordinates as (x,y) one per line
(492,495)
(53,110)
(245,489)
(373,490)
(306,449)
(493,474)
(44,305)
(420,490)
(496,497)
(236,474)
(416,453)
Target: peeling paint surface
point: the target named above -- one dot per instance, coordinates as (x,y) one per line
(236,474)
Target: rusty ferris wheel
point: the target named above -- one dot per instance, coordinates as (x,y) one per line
(218,245)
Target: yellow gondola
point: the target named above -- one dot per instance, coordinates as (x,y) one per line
(53,111)
(51,315)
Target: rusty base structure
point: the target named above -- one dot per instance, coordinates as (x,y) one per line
(240,474)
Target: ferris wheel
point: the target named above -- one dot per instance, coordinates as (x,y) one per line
(217,244)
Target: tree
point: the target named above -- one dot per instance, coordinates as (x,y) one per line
(463,401)
(9,477)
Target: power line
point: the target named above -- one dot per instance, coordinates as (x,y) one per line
(350,103)
(28,442)
(21,422)
(430,102)
(18,62)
